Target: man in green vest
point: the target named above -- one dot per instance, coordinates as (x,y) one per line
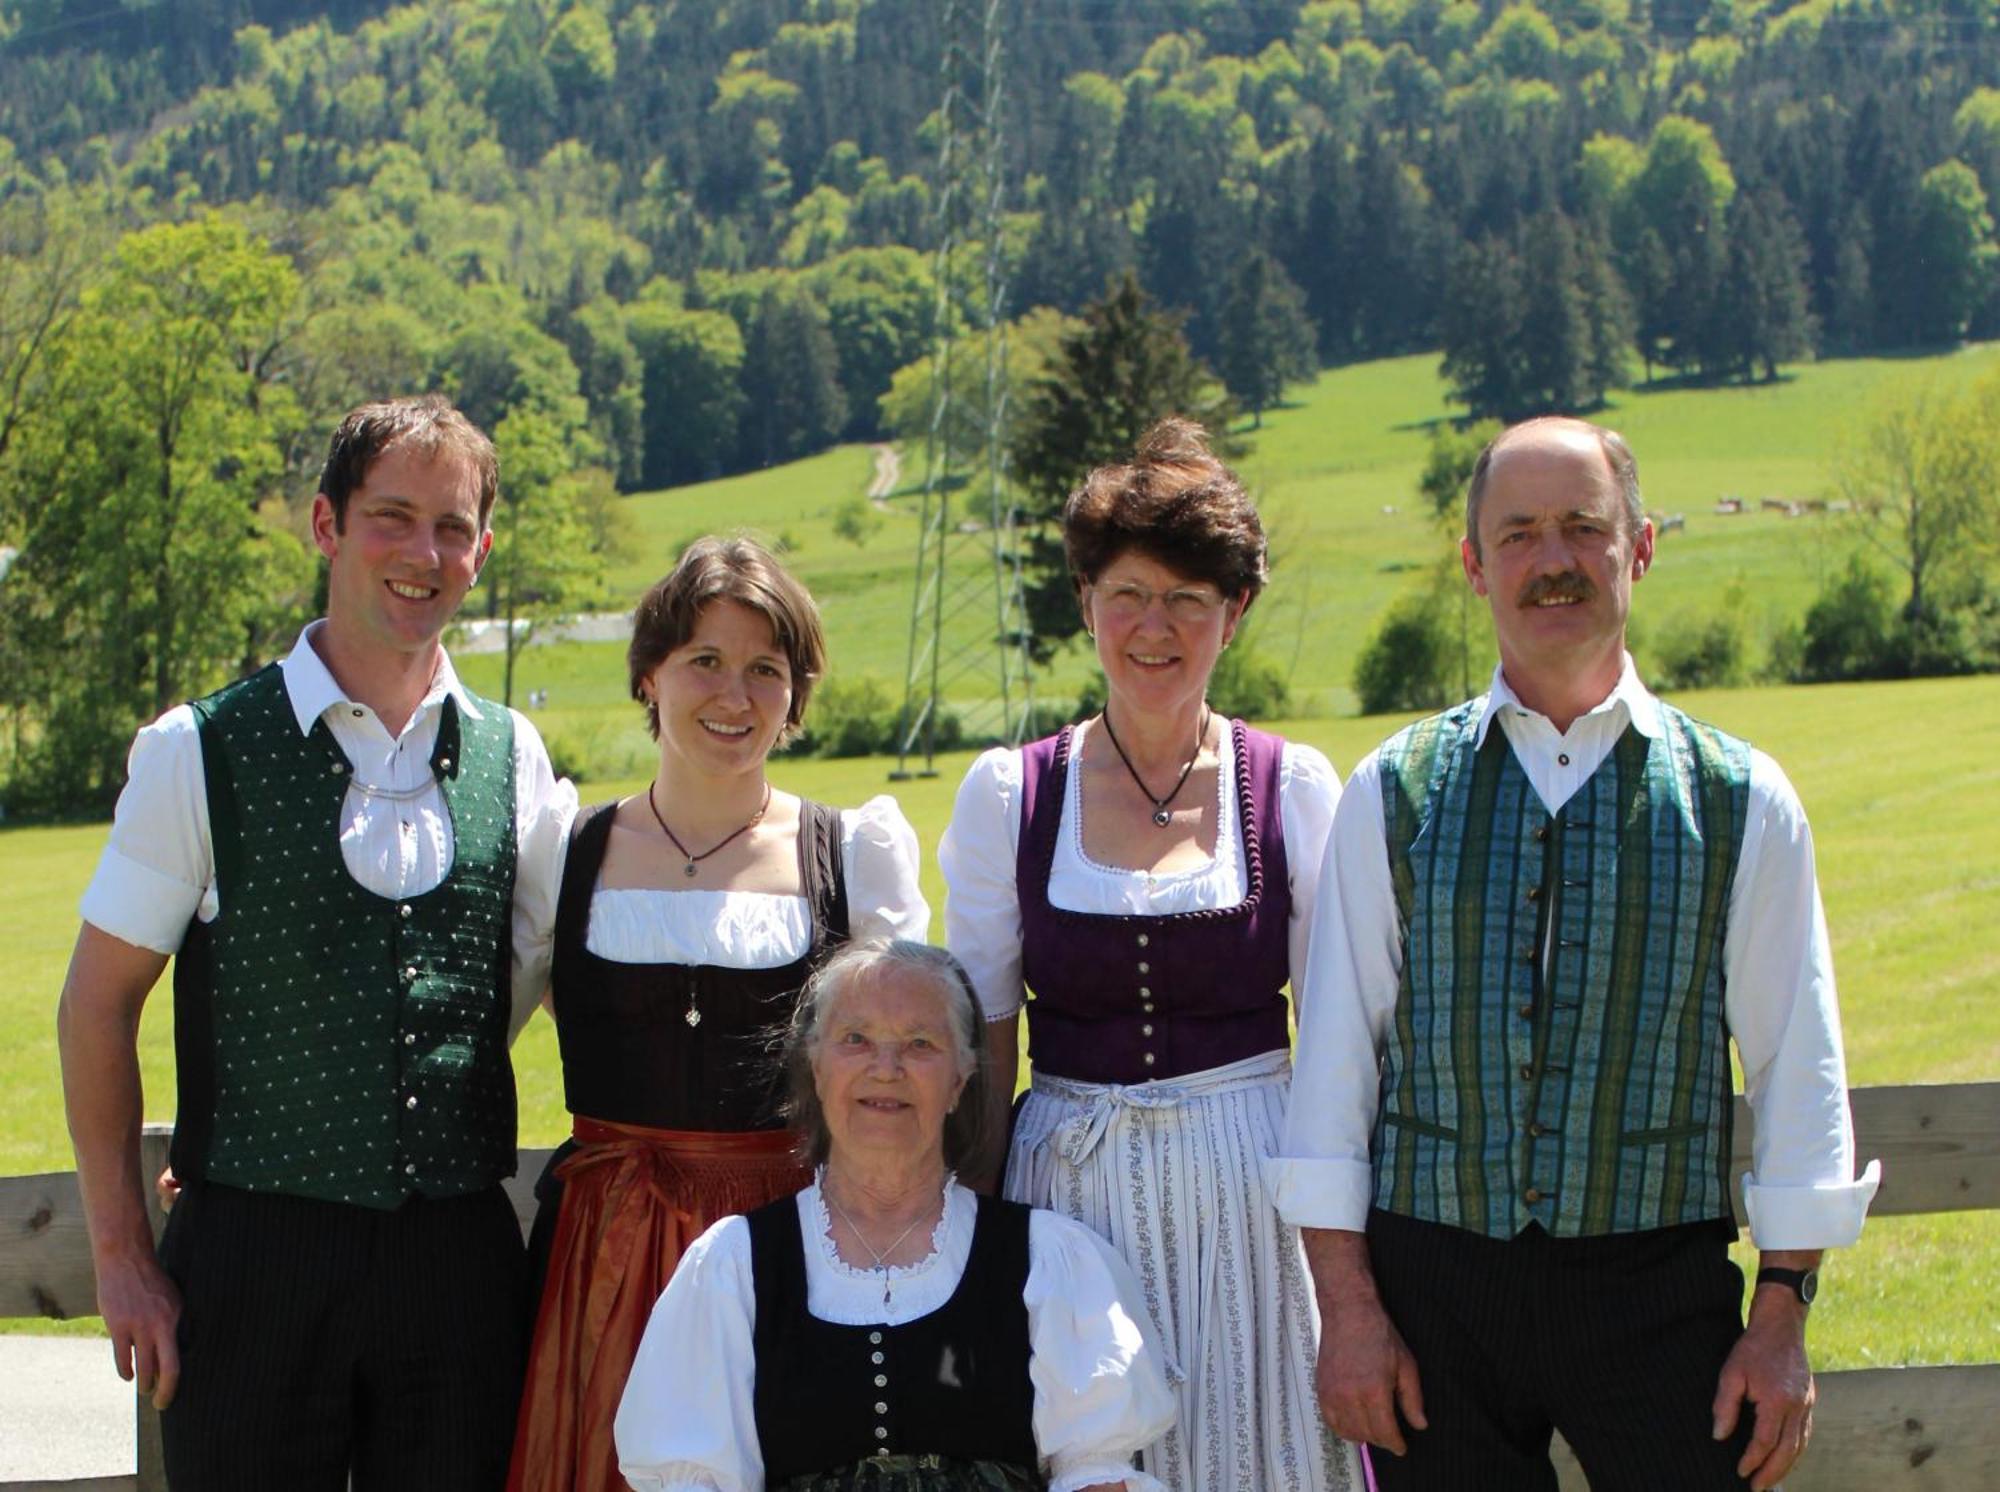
(1544,916)
(352,861)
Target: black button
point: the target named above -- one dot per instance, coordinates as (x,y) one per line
(1534,893)
(1542,832)
(1563,760)
(1527,1069)
(1528,1012)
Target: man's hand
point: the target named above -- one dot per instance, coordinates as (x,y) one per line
(1365,1375)
(1366,1372)
(141,1309)
(1768,1367)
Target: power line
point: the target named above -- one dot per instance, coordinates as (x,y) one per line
(961,560)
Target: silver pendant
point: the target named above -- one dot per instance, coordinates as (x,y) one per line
(693,1017)
(689,871)
(1162,817)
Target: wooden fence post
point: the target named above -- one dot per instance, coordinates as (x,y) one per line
(154,1140)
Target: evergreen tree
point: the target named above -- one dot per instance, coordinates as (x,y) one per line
(1761,317)
(1266,338)
(1125,368)
(1484,305)
(792,403)
(1534,322)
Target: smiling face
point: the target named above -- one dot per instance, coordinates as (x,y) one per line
(408,550)
(886,1067)
(1557,558)
(1158,633)
(723,694)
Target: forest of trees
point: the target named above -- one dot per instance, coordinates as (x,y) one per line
(653,241)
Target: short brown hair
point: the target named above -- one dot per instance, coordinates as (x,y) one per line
(1175,502)
(1617,455)
(740,570)
(428,425)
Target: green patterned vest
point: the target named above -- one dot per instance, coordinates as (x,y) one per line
(1559,1053)
(332,1043)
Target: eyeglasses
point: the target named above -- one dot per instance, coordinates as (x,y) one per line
(1127,602)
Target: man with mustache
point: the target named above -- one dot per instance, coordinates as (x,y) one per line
(353,862)
(1544,915)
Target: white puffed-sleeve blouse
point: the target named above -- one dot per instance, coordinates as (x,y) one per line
(688,1423)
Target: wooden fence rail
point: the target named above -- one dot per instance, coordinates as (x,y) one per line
(1877,1429)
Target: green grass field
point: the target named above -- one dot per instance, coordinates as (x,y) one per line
(1903,788)
(1901,782)
(1325,469)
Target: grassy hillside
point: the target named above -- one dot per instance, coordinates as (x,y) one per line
(1912,891)
(1335,474)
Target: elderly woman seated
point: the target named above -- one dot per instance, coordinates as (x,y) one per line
(886,1328)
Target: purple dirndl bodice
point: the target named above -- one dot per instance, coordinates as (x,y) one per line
(1132,999)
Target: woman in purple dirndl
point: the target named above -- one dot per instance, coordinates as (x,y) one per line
(1148,875)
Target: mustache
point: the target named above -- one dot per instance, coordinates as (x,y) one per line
(1568,585)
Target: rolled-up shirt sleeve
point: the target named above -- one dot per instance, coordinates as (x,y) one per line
(982,908)
(1801,1192)
(157,869)
(1322,1176)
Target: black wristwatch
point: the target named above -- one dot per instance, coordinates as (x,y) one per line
(1803,1283)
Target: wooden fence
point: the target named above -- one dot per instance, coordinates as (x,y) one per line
(1876,1430)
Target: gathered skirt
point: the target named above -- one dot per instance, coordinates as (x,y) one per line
(1171,1173)
(633,1200)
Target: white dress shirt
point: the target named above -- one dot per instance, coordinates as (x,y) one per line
(1778,993)
(157,872)
(688,1420)
(982,913)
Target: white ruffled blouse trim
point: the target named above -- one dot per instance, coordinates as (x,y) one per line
(1078,883)
(767,930)
(851,1295)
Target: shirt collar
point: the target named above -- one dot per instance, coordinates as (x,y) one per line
(313,690)
(1629,700)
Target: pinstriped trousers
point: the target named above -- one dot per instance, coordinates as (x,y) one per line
(321,1340)
(1616,1341)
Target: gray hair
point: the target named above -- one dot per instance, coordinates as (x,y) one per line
(1617,455)
(965,1126)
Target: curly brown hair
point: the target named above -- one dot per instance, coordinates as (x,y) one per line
(1174,502)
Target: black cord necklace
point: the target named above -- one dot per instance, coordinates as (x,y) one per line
(1161,815)
(694,860)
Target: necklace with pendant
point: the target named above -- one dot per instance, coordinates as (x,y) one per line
(1162,813)
(881,1256)
(693,1013)
(674,839)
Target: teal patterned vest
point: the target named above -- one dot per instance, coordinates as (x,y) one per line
(332,1043)
(1559,1054)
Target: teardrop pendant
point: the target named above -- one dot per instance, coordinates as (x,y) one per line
(688,871)
(693,1017)
(1162,817)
